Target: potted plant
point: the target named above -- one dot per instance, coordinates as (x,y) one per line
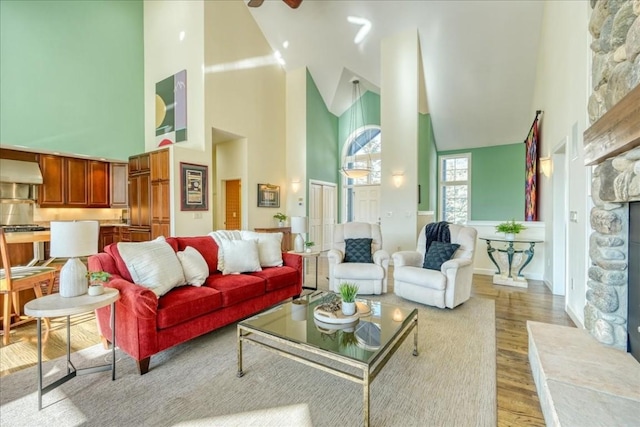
(510,229)
(96,282)
(308,245)
(281,218)
(348,292)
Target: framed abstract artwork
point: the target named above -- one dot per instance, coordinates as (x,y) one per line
(193,187)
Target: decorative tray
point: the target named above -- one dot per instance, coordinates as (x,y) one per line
(337,317)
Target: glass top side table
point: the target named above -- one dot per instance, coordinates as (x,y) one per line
(511,247)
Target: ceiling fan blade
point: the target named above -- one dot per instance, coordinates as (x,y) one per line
(293,4)
(255,3)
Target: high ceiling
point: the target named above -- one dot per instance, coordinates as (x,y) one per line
(479,58)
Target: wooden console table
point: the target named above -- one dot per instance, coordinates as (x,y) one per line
(507,277)
(286,235)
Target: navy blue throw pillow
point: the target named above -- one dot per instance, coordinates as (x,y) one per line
(438,253)
(358,250)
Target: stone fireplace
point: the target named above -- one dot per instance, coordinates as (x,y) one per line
(613,144)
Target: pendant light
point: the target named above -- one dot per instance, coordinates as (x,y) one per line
(352,168)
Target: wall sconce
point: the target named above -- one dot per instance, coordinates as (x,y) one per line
(398,178)
(546,166)
(295,186)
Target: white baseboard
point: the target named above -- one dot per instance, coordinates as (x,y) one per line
(574,317)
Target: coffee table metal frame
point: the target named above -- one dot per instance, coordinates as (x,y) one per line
(56,306)
(369,369)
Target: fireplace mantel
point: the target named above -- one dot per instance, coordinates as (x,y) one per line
(616,132)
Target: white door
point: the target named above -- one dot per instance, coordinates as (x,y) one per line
(322,214)
(366,206)
(329,212)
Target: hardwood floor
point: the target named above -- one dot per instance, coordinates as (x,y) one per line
(518,403)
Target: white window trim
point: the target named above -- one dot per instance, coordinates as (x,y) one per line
(442,184)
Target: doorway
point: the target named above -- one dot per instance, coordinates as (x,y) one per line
(560,229)
(323,211)
(232,206)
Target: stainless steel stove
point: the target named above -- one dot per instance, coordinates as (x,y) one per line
(18,228)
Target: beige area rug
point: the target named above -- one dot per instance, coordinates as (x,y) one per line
(451,383)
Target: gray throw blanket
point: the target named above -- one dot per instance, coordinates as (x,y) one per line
(437,232)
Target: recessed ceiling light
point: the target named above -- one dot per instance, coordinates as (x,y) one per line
(364,30)
(181,36)
(285,44)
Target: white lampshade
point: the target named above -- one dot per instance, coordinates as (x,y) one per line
(73,239)
(298,224)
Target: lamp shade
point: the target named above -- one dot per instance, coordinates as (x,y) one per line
(298,224)
(71,239)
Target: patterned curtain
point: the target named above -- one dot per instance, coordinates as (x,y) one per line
(531,174)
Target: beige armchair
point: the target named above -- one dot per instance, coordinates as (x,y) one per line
(448,287)
(348,246)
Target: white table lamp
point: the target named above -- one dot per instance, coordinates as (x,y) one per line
(73,239)
(299,227)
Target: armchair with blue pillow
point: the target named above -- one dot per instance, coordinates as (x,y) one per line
(440,271)
(357,257)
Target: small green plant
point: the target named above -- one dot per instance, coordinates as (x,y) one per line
(280,216)
(510,227)
(348,291)
(98,276)
(308,244)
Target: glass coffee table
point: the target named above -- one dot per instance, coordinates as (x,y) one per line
(366,343)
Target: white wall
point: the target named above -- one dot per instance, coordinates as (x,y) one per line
(248,102)
(399,122)
(296,202)
(561,91)
(164,55)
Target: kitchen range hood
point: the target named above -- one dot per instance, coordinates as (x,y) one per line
(20,172)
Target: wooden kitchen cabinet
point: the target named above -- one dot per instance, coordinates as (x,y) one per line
(51,192)
(160,165)
(119,176)
(107,236)
(160,194)
(99,184)
(140,200)
(140,163)
(74,183)
(286,235)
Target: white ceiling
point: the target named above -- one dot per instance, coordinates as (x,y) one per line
(479,58)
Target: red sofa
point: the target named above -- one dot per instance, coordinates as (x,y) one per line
(147,324)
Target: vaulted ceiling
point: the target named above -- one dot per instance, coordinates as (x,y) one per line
(479,58)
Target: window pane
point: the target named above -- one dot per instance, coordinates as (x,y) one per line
(461,163)
(461,175)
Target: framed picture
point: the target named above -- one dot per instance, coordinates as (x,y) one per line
(268,196)
(193,187)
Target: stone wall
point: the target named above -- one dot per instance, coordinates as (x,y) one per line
(615,27)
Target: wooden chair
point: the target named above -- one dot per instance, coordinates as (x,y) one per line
(16,279)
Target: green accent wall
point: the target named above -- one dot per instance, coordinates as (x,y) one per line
(497,182)
(371,106)
(322,134)
(427,164)
(72,76)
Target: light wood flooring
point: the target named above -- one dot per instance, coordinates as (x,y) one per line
(518,403)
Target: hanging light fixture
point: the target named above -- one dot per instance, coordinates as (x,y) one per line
(353,168)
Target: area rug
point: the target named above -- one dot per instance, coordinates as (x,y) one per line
(452,382)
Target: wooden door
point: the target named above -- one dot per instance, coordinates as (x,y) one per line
(51,192)
(76,178)
(98,184)
(233,208)
(140,200)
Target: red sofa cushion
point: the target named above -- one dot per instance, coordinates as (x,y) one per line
(277,277)
(236,288)
(205,245)
(185,303)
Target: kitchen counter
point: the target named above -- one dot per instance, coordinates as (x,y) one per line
(28,237)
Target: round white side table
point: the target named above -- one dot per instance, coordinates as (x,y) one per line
(57,306)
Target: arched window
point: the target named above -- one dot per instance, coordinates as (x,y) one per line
(362,148)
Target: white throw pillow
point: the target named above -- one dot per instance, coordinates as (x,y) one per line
(194,266)
(153,265)
(240,256)
(269,247)
(221,235)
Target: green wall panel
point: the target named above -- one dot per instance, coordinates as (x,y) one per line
(322,134)
(497,182)
(72,76)
(427,164)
